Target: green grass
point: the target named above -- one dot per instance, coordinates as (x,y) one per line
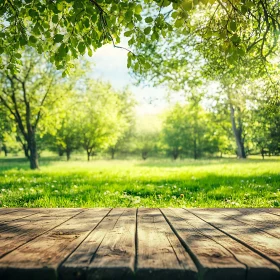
(188,183)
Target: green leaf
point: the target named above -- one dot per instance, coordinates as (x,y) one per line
(94,18)
(60,6)
(232,26)
(55,19)
(86,22)
(179,22)
(89,52)
(136,66)
(147,65)
(33,13)
(62,50)
(235,38)
(32,39)
(244,9)
(128,15)
(187,5)
(130,25)
(22,41)
(138,9)
(58,38)
(155,36)
(128,61)
(165,3)
(174,15)
(147,30)
(128,33)
(17,55)
(81,47)
(148,19)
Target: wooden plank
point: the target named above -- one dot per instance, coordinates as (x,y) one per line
(40,258)
(4,211)
(257,240)
(212,259)
(17,233)
(257,266)
(115,256)
(274,211)
(262,220)
(108,252)
(22,213)
(160,255)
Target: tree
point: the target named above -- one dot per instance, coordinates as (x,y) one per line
(266,123)
(67,137)
(187,131)
(30,98)
(127,105)
(174,132)
(147,135)
(101,121)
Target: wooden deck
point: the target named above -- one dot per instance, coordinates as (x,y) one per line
(139,243)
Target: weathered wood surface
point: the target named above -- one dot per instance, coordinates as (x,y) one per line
(127,243)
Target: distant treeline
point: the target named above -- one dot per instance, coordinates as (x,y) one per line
(42,110)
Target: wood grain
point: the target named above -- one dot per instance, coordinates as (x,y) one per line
(19,232)
(96,254)
(213,260)
(40,258)
(274,211)
(265,244)
(160,254)
(16,215)
(115,256)
(262,220)
(257,266)
(4,211)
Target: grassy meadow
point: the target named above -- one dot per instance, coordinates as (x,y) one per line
(151,183)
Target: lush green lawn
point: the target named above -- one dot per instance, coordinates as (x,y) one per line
(203,183)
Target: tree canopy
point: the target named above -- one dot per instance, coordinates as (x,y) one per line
(64,29)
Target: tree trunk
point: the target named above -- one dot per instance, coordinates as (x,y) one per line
(194,149)
(68,154)
(26,151)
(175,154)
(262,153)
(237,131)
(88,155)
(113,151)
(144,155)
(33,159)
(5,150)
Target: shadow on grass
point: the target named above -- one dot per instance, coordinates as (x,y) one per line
(203,162)
(216,189)
(23,163)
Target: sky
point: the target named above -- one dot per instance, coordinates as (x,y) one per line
(110,65)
